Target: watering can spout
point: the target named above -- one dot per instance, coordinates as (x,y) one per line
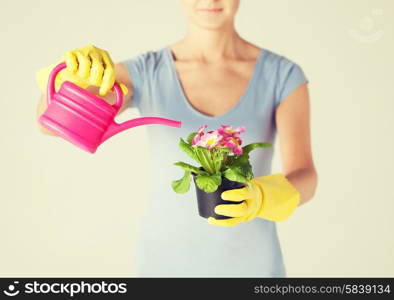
(115,128)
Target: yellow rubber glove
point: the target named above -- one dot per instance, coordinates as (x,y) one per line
(270,197)
(85,66)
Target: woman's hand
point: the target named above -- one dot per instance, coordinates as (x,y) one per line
(271,197)
(85,66)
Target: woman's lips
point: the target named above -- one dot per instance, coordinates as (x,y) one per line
(211,10)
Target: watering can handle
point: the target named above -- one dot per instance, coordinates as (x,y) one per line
(61,66)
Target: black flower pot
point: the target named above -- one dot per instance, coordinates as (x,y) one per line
(207,201)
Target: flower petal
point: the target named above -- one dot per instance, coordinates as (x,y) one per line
(201,129)
(240,129)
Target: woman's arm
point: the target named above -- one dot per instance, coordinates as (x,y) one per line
(293,127)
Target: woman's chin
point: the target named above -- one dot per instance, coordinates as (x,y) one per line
(211,24)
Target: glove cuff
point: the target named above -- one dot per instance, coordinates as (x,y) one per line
(280,197)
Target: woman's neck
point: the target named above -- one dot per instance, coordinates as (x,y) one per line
(211,45)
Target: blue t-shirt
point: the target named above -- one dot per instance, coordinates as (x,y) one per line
(174,240)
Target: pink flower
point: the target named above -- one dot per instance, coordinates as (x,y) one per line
(226,130)
(234,143)
(199,134)
(209,140)
(224,136)
(231,138)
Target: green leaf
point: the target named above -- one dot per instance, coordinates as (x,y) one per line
(217,158)
(247,171)
(252,146)
(209,183)
(231,159)
(235,174)
(190,137)
(188,167)
(238,168)
(205,159)
(182,185)
(225,149)
(189,150)
(241,159)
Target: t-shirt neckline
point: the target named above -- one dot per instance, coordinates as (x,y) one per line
(240,101)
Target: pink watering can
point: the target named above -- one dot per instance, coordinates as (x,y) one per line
(83,118)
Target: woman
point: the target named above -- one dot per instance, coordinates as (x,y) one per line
(211,77)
